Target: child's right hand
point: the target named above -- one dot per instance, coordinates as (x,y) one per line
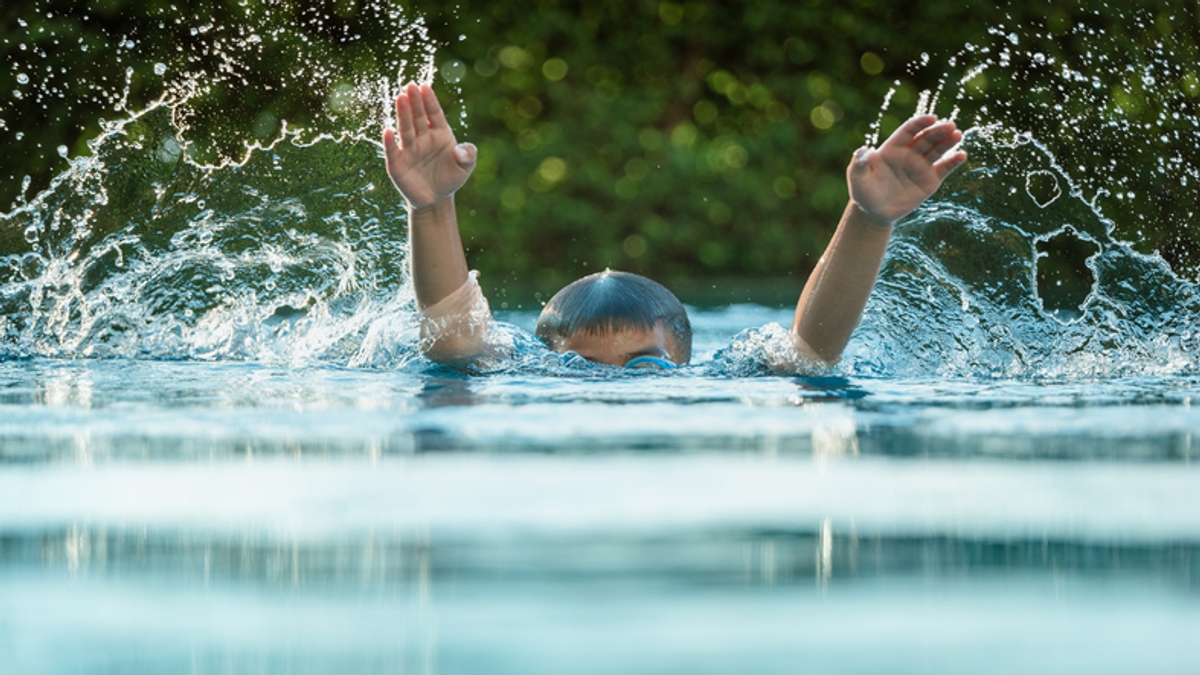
(890,182)
(425,163)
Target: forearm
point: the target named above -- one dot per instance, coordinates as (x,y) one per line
(832,302)
(438,263)
(454,314)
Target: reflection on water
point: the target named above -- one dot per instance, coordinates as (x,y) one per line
(387,563)
(129,600)
(237,517)
(130,409)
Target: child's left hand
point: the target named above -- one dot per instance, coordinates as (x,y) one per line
(887,183)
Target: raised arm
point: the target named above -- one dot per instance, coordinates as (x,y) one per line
(427,165)
(885,185)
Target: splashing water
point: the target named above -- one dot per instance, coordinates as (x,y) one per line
(183,234)
(1066,130)
(959,291)
(222,69)
(187,232)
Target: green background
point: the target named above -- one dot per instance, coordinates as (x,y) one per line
(690,141)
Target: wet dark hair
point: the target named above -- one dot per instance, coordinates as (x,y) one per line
(615,301)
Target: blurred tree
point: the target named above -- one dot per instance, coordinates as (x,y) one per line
(676,139)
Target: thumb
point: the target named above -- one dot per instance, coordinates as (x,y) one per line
(465,154)
(860,161)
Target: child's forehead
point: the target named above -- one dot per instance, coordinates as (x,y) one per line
(619,345)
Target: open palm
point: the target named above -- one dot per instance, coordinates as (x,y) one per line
(889,182)
(424,161)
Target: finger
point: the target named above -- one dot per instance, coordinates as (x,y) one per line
(945,145)
(390,147)
(392,152)
(946,165)
(931,136)
(404,121)
(861,160)
(420,117)
(437,118)
(465,154)
(909,130)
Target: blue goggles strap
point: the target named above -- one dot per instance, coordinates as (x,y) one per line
(648,361)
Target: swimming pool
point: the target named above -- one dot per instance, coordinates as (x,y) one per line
(163,516)
(221,452)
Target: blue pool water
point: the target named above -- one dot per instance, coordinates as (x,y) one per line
(221,452)
(239,517)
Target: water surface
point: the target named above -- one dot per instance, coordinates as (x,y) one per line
(164,516)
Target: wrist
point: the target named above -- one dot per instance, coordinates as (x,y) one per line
(861,212)
(432,210)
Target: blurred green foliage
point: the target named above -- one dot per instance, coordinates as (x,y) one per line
(676,139)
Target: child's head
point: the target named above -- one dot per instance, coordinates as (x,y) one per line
(613,317)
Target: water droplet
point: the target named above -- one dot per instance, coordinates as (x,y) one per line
(22,78)
(17,93)
(62,151)
(160,68)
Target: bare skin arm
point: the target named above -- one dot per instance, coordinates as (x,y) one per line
(427,165)
(886,184)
